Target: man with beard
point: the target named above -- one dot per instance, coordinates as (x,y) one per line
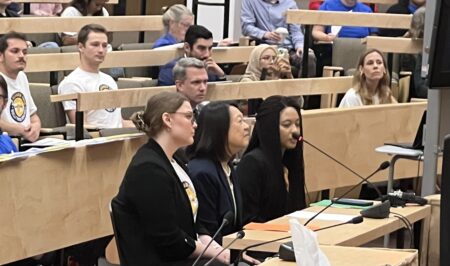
(198,43)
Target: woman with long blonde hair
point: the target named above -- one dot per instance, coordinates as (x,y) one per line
(370,82)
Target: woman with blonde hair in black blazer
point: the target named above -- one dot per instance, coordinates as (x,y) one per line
(157,200)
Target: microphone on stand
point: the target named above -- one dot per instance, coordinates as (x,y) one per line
(239,235)
(378,211)
(227,218)
(300,138)
(382,166)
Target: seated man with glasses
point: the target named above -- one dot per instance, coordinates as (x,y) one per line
(6,144)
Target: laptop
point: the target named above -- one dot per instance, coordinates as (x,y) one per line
(418,141)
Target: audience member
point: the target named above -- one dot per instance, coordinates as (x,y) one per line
(6,10)
(402,7)
(314,4)
(370,82)
(20,117)
(92,47)
(418,84)
(9,9)
(6,144)
(198,44)
(265,64)
(161,211)
(80,8)
(324,33)
(271,172)
(265,21)
(46,9)
(191,80)
(176,20)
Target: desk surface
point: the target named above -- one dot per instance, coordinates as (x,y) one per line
(345,235)
(348,256)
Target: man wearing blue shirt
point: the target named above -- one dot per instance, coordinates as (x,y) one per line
(323,33)
(198,44)
(260,20)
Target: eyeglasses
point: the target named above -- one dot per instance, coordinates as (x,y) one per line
(186,25)
(188,115)
(269,58)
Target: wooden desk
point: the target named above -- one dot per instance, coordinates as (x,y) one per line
(58,199)
(336,18)
(394,44)
(130,58)
(346,256)
(346,235)
(74,24)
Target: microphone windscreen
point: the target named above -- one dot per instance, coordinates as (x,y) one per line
(240,234)
(384,165)
(296,136)
(228,217)
(357,220)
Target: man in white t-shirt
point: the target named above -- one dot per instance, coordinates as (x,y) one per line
(92,46)
(20,114)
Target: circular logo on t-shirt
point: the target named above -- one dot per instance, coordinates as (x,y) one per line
(104,87)
(18,107)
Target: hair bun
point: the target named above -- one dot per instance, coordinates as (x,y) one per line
(138,120)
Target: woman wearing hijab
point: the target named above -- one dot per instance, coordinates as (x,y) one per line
(265,64)
(271,172)
(370,82)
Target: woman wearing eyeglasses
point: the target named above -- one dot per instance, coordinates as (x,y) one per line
(157,196)
(266,63)
(176,20)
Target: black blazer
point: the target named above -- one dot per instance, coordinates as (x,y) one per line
(214,197)
(264,193)
(156,223)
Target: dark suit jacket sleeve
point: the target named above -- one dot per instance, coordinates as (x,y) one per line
(152,191)
(251,175)
(206,187)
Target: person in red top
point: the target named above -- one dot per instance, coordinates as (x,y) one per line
(315,4)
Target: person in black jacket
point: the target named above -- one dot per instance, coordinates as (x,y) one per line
(271,172)
(221,134)
(156,205)
(405,7)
